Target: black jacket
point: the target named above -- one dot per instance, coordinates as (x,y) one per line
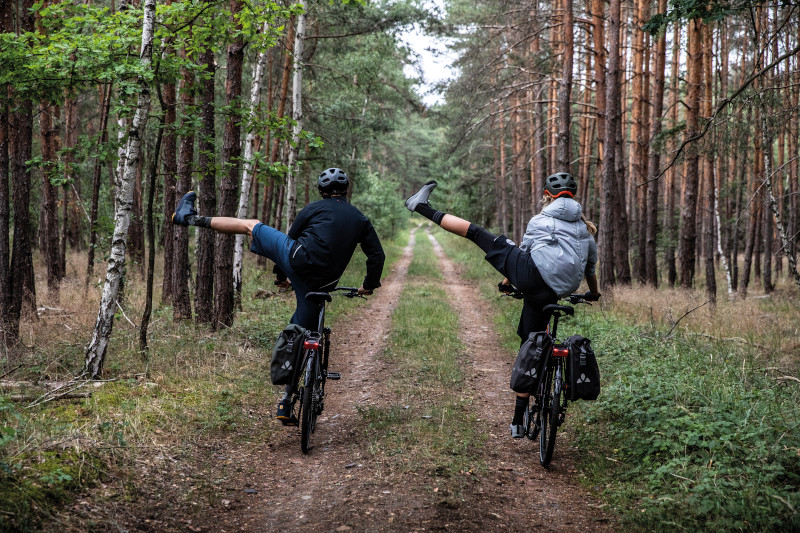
(326,234)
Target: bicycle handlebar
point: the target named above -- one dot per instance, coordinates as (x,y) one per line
(352,292)
(572,298)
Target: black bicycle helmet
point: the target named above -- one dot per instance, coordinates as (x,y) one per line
(560,184)
(332,180)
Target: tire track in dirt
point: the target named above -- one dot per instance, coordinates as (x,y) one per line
(343,485)
(335,483)
(517,491)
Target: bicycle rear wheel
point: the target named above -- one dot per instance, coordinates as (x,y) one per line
(548,414)
(308,415)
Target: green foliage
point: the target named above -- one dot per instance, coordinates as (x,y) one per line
(376,197)
(684,10)
(702,439)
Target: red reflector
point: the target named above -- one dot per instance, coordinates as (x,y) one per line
(560,352)
(311,345)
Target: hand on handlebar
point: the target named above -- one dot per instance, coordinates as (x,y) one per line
(589,296)
(505,287)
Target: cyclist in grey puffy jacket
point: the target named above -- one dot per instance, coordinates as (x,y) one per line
(561,245)
(558,251)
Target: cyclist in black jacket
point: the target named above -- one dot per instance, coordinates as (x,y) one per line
(314,253)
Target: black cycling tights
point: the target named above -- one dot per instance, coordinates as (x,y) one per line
(483,238)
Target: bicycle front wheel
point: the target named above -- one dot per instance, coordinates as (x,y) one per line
(549,411)
(308,415)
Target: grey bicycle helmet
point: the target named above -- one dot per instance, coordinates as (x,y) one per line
(332,180)
(560,184)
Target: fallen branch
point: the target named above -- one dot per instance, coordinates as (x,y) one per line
(57,392)
(11,371)
(65,396)
(787,378)
(669,333)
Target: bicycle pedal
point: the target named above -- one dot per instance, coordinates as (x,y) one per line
(333,375)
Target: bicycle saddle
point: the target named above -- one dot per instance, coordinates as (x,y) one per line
(552,308)
(319,296)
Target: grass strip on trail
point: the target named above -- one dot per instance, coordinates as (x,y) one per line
(689,433)
(430,430)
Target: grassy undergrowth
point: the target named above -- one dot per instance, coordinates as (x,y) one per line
(195,385)
(693,430)
(431,430)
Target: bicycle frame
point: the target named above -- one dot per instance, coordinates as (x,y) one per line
(316,351)
(549,409)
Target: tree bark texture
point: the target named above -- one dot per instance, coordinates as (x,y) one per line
(565,91)
(207,204)
(607,231)
(6,25)
(688,235)
(169,166)
(104,112)
(654,156)
(229,186)
(181,302)
(48,116)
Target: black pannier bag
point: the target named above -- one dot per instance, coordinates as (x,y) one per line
(286,355)
(583,374)
(529,366)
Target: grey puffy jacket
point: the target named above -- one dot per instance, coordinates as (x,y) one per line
(561,246)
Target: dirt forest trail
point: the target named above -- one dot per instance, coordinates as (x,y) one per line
(340,486)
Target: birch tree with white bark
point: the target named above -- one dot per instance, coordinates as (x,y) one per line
(297,114)
(247,166)
(96,351)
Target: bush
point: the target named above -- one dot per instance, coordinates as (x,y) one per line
(694,436)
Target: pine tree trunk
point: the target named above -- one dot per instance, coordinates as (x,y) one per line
(207,204)
(516,143)
(181,301)
(96,351)
(151,238)
(284,91)
(48,115)
(169,162)
(74,229)
(635,165)
(608,230)
(708,172)
(229,186)
(502,207)
(23,289)
(654,157)
(104,112)
(6,322)
(565,90)
(688,236)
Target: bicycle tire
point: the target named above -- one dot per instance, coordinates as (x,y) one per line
(549,412)
(532,421)
(308,415)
